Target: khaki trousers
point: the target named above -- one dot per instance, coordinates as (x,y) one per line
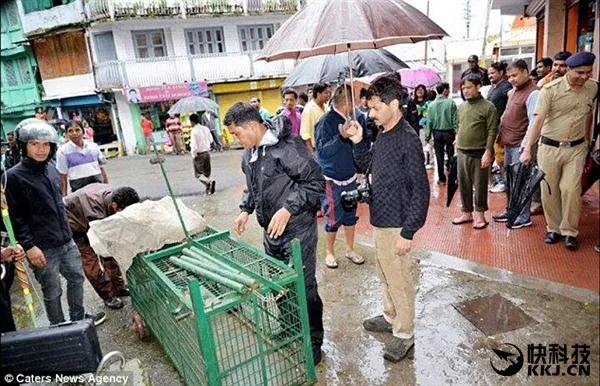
(178,143)
(398,287)
(149,148)
(562,195)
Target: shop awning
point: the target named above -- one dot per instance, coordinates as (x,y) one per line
(19,110)
(511,7)
(84,100)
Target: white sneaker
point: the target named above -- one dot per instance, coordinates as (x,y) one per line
(428,166)
(498,188)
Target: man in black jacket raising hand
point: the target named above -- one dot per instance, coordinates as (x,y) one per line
(399,203)
(284,188)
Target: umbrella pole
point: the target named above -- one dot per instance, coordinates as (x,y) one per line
(164,173)
(351,82)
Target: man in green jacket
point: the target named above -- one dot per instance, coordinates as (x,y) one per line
(477,129)
(442,122)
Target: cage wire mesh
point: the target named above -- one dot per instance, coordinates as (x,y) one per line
(225,338)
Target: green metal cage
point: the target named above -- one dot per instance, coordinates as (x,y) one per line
(216,336)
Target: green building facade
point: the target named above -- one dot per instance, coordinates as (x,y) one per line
(20,82)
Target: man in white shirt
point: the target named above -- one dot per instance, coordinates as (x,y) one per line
(79,161)
(200,142)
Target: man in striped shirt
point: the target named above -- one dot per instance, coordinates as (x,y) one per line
(175,133)
(79,161)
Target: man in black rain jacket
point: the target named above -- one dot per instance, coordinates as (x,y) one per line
(284,187)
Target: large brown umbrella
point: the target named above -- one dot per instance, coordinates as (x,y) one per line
(335,26)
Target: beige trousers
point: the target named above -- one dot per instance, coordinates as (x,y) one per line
(562,202)
(398,287)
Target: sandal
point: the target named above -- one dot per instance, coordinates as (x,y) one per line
(481,226)
(460,222)
(331,262)
(355,258)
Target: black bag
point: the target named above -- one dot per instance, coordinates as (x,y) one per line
(66,348)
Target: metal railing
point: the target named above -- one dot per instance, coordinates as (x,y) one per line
(124,9)
(171,70)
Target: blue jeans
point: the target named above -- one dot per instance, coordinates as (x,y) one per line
(511,157)
(65,260)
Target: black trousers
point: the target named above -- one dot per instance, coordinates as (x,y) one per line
(443,140)
(281,249)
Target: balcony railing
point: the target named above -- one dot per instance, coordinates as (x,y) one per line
(170,70)
(125,9)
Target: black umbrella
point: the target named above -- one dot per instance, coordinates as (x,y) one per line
(329,68)
(522,182)
(452,180)
(591,171)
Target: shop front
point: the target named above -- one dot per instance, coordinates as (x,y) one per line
(562,25)
(92,109)
(581,24)
(571,28)
(267,90)
(155,102)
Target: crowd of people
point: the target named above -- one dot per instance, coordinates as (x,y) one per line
(333,155)
(53,191)
(326,154)
(323,157)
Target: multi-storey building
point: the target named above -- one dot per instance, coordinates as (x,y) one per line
(18,70)
(149,54)
(110,61)
(56,31)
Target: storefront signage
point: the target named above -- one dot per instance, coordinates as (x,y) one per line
(171,92)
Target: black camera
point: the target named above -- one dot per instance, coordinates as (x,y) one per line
(362,193)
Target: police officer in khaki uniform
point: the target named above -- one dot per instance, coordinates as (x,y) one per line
(563,117)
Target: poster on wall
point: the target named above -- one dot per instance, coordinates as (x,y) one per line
(170,92)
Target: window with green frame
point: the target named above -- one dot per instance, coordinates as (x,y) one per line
(40,5)
(9,16)
(17,72)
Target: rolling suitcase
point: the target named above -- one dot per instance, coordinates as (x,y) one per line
(66,348)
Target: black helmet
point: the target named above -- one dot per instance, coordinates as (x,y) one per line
(33,129)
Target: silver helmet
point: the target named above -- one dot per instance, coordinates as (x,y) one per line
(33,129)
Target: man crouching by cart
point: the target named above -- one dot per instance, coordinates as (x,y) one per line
(284,187)
(97,202)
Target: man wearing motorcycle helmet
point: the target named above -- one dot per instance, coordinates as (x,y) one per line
(40,221)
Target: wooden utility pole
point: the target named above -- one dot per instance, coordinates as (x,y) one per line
(485,29)
(426,41)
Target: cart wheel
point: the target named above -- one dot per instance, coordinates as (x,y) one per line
(138,325)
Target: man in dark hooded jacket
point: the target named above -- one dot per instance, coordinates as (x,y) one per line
(284,187)
(40,222)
